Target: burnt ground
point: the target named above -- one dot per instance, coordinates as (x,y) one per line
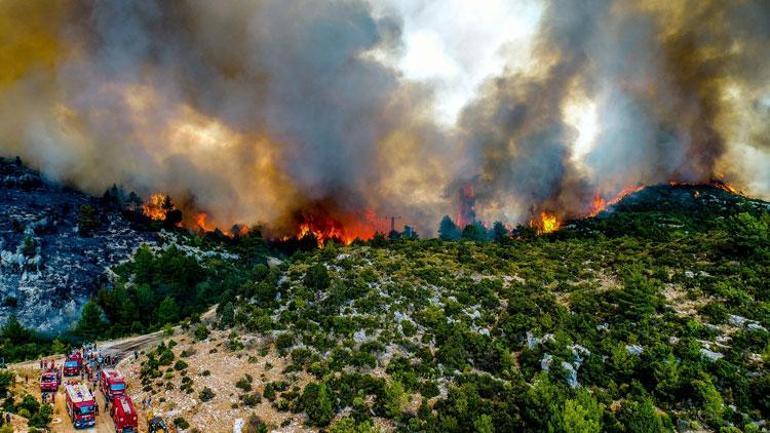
(49,268)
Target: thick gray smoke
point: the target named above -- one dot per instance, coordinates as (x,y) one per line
(667,81)
(257,111)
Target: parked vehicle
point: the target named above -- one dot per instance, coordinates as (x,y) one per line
(49,381)
(112,383)
(124,415)
(81,406)
(157,425)
(73,364)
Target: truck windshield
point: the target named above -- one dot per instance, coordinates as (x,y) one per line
(71,364)
(48,379)
(118,386)
(86,410)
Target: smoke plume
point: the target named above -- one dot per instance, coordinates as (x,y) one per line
(280,112)
(674,85)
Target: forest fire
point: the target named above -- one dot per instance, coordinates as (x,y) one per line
(339,227)
(599,204)
(156,207)
(547,222)
(202,224)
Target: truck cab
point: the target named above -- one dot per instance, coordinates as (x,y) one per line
(73,364)
(81,406)
(124,415)
(112,383)
(49,381)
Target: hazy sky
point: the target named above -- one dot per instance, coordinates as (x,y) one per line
(456,44)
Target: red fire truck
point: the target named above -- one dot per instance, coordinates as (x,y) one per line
(124,415)
(49,381)
(81,406)
(112,383)
(73,364)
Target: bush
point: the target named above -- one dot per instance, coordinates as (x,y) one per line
(181,423)
(641,417)
(206,394)
(317,278)
(254,425)
(244,383)
(201,332)
(317,403)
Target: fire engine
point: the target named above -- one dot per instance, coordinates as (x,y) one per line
(49,381)
(80,406)
(112,383)
(72,364)
(124,415)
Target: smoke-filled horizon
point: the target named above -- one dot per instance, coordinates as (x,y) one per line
(274,112)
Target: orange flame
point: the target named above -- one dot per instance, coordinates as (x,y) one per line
(600,204)
(153,208)
(202,224)
(547,222)
(341,227)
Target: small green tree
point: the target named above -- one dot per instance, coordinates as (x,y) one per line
(499,232)
(641,417)
(317,277)
(483,424)
(7,378)
(582,414)
(91,324)
(168,311)
(318,404)
(227,316)
(448,230)
(713,404)
(88,220)
(57,346)
(395,398)
(201,332)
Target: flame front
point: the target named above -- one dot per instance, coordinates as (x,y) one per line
(334,225)
(547,222)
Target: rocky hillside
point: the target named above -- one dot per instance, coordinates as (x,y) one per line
(653,317)
(55,247)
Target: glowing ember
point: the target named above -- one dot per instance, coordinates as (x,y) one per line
(156,207)
(548,222)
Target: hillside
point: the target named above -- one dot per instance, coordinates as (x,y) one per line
(653,316)
(56,245)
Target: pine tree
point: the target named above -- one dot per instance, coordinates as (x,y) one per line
(448,230)
(168,312)
(582,414)
(90,324)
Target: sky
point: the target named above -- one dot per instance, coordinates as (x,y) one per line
(457,44)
